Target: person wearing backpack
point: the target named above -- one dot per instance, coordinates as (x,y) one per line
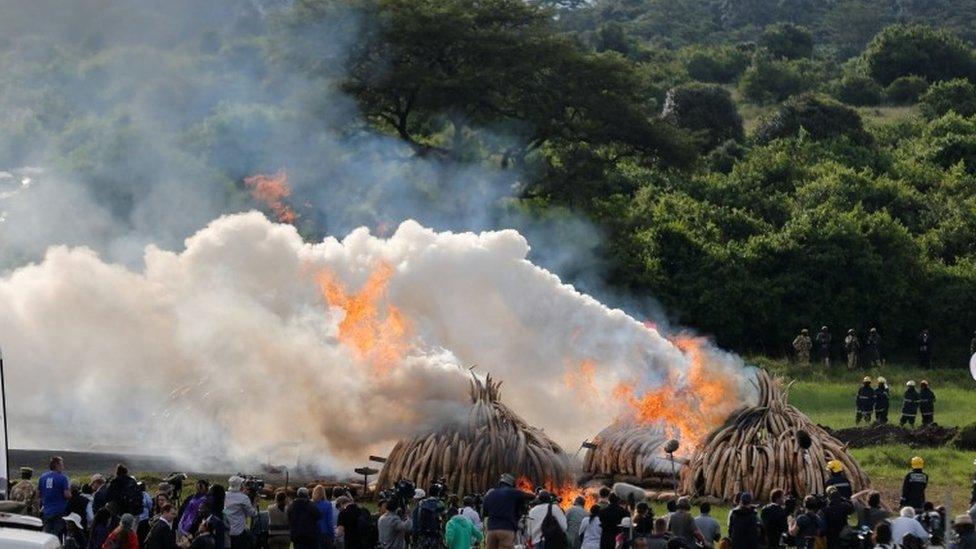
(426,522)
(547,524)
(352,524)
(124,492)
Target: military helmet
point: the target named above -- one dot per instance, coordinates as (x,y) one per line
(882,380)
(867,379)
(874,329)
(823,328)
(851,331)
(918,462)
(835,466)
(26,472)
(804,331)
(911,383)
(924,383)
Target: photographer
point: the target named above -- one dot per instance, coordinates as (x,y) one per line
(427,524)
(238,507)
(806,527)
(773,517)
(393,526)
(835,515)
(502,508)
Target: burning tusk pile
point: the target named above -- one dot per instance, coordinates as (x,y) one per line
(472,456)
(631,453)
(757,450)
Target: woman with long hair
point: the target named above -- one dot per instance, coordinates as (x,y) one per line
(279,533)
(124,535)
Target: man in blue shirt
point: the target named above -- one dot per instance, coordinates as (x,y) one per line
(502,509)
(55,491)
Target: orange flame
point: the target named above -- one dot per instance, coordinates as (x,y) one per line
(272,190)
(377,333)
(691,406)
(583,381)
(566,494)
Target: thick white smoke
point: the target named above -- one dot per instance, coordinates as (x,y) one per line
(227,350)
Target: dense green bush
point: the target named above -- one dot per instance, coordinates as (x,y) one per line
(957,95)
(902,50)
(857,89)
(786,41)
(905,90)
(965,439)
(721,65)
(705,109)
(817,116)
(771,80)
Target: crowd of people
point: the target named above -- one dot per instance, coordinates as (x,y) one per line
(120,513)
(856,353)
(875,400)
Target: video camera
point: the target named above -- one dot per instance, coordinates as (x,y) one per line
(176,481)
(252,485)
(438,489)
(399,496)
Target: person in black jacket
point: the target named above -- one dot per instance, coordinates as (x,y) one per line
(303,521)
(926,403)
(835,516)
(873,347)
(823,345)
(881,401)
(163,533)
(838,479)
(774,521)
(913,487)
(124,492)
(925,349)
(744,524)
(910,406)
(864,402)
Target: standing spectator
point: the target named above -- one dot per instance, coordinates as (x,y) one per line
(78,504)
(881,401)
(835,515)
(909,407)
(101,528)
(773,517)
(205,539)
(214,513)
(350,524)
(924,349)
(682,525)
(190,515)
(326,529)
(124,535)
(99,492)
(471,513)
(427,527)
(744,525)
(852,346)
(905,525)
(643,519)
(610,518)
(125,493)
(926,403)
(55,491)
(873,513)
(965,532)
(393,527)
(708,526)
(864,402)
(278,531)
(574,517)
(590,531)
(238,507)
(25,492)
(806,527)
(659,539)
(931,520)
(461,533)
(74,534)
(162,535)
(913,487)
(873,348)
(882,536)
(538,514)
(823,346)
(303,521)
(143,524)
(501,509)
(802,346)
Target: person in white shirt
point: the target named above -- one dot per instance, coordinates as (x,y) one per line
(238,507)
(590,529)
(538,513)
(906,524)
(469,512)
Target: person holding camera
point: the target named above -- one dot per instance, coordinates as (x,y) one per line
(773,518)
(394,524)
(502,508)
(806,527)
(238,507)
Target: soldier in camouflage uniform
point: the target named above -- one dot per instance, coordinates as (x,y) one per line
(802,345)
(852,345)
(26,492)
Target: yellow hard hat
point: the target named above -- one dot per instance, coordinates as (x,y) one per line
(918,462)
(835,466)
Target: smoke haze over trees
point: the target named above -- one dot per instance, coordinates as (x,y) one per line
(138,121)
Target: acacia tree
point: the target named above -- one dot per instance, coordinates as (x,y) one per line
(437,72)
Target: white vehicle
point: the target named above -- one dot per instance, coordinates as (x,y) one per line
(24,532)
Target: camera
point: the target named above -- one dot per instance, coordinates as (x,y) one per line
(252,485)
(438,489)
(176,481)
(399,496)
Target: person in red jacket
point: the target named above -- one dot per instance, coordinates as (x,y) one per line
(124,536)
